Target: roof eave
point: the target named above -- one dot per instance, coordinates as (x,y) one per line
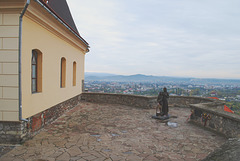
(48,9)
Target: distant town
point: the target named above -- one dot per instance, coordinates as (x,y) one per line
(225,90)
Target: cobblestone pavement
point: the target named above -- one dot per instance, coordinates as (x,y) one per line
(116,132)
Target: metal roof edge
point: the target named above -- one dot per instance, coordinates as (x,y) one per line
(53,13)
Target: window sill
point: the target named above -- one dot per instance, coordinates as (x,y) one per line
(36,92)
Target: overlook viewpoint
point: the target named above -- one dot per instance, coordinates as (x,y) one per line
(96,130)
(46,113)
(115,132)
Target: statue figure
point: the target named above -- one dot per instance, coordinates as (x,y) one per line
(163,102)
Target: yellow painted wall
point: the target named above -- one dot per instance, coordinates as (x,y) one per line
(9,26)
(53,48)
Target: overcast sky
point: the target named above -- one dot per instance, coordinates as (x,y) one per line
(186,38)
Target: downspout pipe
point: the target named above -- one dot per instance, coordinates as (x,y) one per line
(20,62)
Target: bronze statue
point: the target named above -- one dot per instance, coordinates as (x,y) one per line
(163,102)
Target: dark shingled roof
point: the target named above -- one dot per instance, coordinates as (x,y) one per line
(60,7)
(61,10)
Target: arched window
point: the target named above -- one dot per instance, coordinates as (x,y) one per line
(63,73)
(74,73)
(36,71)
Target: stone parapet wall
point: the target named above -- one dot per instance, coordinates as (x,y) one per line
(222,122)
(141,101)
(123,99)
(229,151)
(212,116)
(184,101)
(19,131)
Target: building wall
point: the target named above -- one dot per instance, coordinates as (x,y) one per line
(9,28)
(53,48)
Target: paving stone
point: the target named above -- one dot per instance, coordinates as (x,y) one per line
(74,151)
(96,154)
(190,159)
(5,149)
(81,159)
(56,154)
(7,158)
(99,159)
(189,155)
(18,159)
(84,155)
(151,157)
(187,148)
(43,159)
(197,151)
(115,157)
(108,159)
(65,156)
(60,144)
(115,132)
(19,151)
(133,157)
(90,157)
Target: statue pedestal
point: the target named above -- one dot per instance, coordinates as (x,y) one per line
(160,117)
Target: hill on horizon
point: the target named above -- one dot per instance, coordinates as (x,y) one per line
(89,76)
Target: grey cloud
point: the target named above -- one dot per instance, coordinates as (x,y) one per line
(161,37)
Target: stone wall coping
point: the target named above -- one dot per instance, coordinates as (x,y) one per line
(149,97)
(207,104)
(217,111)
(194,97)
(118,94)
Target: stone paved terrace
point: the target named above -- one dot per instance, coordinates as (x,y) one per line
(116,132)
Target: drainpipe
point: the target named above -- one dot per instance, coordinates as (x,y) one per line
(20,62)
